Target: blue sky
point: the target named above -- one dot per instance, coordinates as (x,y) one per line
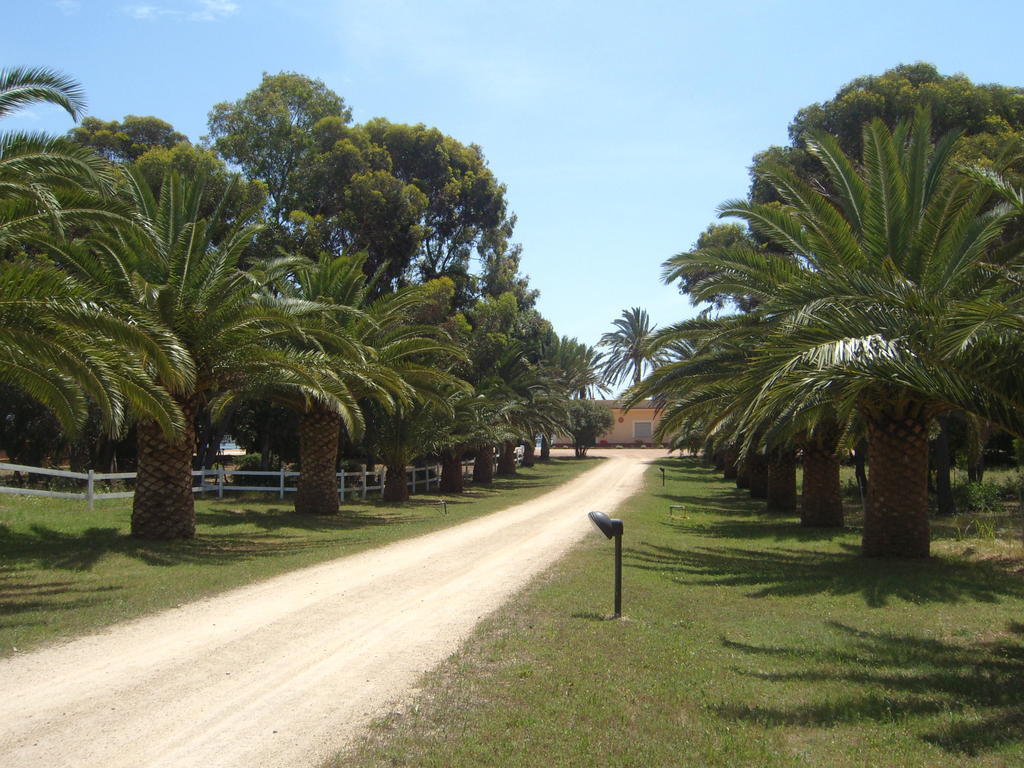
(616,131)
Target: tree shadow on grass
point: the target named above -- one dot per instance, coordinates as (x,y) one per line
(720,501)
(789,572)
(48,549)
(274,519)
(25,597)
(903,676)
(766,528)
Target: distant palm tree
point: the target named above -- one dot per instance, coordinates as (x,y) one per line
(574,367)
(629,355)
(380,356)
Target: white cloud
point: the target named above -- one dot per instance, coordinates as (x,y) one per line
(68,7)
(212,10)
(148,12)
(208,10)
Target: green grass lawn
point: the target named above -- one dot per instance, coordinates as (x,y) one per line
(746,641)
(65,570)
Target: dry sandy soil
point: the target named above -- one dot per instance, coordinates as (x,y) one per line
(287,671)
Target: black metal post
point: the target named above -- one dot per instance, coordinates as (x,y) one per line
(662,476)
(618,577)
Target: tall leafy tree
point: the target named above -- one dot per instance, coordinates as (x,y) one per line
(268,133)
(988,115)
(418,202)
(124,141)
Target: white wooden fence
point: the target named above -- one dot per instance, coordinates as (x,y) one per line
(418,478)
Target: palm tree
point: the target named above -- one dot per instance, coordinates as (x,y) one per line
(897,256)
(47,182)
(62,341)
(173,271)
(756,275)
(376,351)
(574,367)
(629,354)
(65,344)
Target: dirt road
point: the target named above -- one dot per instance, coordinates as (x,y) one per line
(287,671)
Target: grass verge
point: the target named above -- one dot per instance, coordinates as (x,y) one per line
(64,570)
(746,641)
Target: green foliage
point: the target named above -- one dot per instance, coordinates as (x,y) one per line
(692,278)
(239,201)
(978,497)
(990,116)
(587,419)
(419,203)
(268,132)
(255,462)
(126,141)
(630,353)
(23,86)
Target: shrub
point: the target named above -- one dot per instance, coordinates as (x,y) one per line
(977,497)
(251,462)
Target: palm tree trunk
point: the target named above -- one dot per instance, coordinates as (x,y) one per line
(528,454)
(507,459)
(896,516)
(545,448)
(821,503)
(860,455)
(941,454)
(451,472)
(757,465)
(782,482)
(743,475)
(483,465)
(396,487)
(317,492)
(164,506)
(729,469)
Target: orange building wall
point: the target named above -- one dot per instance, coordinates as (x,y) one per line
(624,430)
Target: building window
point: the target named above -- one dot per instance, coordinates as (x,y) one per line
(642,430)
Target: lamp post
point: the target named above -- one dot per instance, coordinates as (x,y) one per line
(611,527)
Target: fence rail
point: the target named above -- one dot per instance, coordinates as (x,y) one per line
(418,478)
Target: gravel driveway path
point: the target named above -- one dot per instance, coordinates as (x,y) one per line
(285,672)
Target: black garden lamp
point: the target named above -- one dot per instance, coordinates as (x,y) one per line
(611,527)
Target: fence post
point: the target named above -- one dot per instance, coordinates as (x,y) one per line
(414,480)
(220,483)
(90,486)
(382,477)
(341,487)
(364,482)
(280,493)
